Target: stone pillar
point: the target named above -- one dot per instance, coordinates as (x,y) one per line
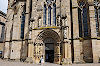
(75,23)
(6,50)
(8,27)
(57,53)
(16,45)
(78,58)
(15,50)
(30,50)
(78,52)
(93,33)
(68,19)
(27,18)
(66,49)
(67,45)
(77,45)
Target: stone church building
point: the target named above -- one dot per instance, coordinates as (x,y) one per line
(60,31)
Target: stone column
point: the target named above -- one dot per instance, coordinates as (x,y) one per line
(57,53)
(26,30)
(78,52)
(30,50)
(27,18)
(8,26)
(16,45)
(67,55)
(66,49)
(76,41)
(77,45)
(76,36)
(93,33)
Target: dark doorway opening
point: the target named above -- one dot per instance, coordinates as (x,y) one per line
(49,52)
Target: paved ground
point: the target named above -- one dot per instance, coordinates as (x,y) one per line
(11,63)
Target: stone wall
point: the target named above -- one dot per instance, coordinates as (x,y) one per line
(85,50)
(2,32)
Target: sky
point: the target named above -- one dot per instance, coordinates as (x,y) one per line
(3,5)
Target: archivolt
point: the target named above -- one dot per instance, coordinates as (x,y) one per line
(48,33)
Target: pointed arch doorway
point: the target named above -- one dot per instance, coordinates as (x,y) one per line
(47,44)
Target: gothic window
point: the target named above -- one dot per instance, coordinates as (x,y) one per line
(83,20)
(22,25)
(2,34)
(85,23)
(80,22)
(44,15)
(0,30)
(49,15)
(54,14)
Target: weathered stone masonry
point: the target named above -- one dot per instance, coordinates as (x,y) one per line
(62,31)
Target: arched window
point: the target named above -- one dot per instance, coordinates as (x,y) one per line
(83,20)
(80,21)
(44,15)
(85,23)
(22,25)
(49,15)
(54,14)
(2,32)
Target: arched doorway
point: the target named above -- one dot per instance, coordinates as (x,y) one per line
(47,44)
(49,49)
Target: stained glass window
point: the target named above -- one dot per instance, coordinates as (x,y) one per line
(80,22)
(54,14)
(3,29)
(22,25)
(85,23)
(49,15)
(44,15)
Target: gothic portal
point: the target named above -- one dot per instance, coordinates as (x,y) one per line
(48,45)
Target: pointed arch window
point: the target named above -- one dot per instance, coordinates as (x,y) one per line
(22,25)
(54,14)
(44,15)
(80,21)
(3,30)
(85,21)
(49,15)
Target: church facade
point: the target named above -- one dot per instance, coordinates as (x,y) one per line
(60,31)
